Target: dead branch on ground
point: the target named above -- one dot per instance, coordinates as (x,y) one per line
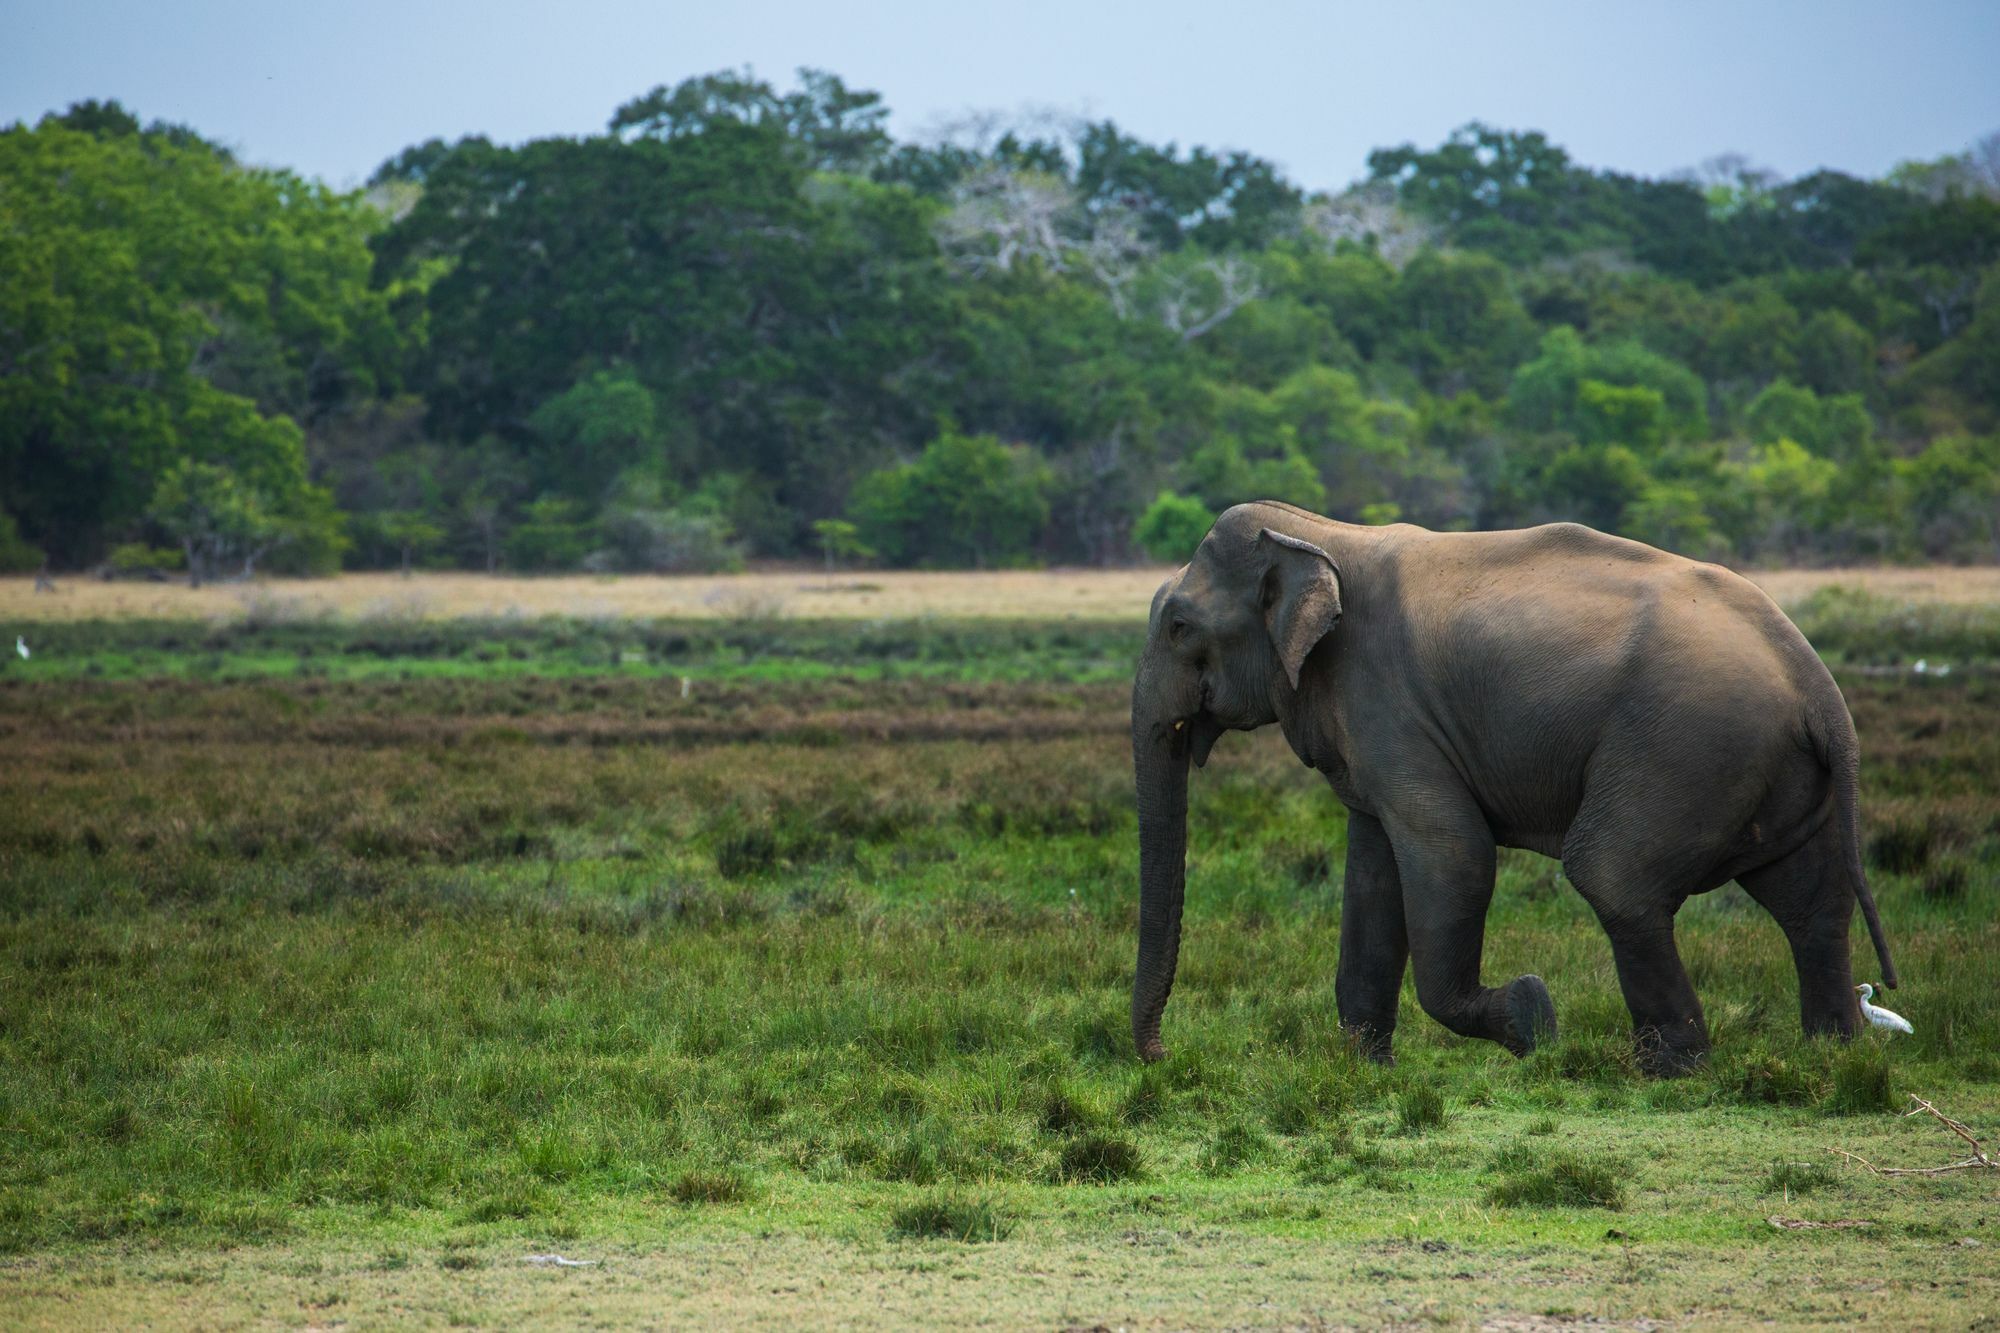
(1978,1160)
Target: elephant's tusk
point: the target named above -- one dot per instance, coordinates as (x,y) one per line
(1180,724)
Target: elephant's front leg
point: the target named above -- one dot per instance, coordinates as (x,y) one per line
(1446,863)
(1373,946)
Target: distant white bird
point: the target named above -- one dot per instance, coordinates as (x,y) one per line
(21,647)
(1922,666)
(1880,1017)
(686,685)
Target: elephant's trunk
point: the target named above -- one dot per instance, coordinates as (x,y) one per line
(1160,764)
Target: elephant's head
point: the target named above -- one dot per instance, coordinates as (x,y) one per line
(1228,637)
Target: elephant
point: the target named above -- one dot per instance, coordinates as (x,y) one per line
(1654,722)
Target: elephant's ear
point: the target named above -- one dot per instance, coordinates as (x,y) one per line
(1301,598)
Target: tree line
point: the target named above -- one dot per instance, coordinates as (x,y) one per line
(744,321)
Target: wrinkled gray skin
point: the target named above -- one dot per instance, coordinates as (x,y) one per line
(1656,723)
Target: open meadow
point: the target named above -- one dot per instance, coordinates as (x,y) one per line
(770,949)
(874,594)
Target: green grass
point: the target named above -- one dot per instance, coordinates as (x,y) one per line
(762,650)
(948,1215)
(1551,1177)
(1853,625)
(447,966)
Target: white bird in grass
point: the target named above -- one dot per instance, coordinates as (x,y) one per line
(21,647)
(1880,1017)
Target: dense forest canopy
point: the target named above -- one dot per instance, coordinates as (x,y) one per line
(746,321)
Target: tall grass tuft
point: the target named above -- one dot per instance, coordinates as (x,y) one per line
(1234,1145)
(953,1216)
(1797,1178)
(1099,1158)
(1550,1177)
(1862,1082)
(1419,1107)
(722,1185)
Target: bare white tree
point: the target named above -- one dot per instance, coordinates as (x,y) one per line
(1001,215)
(1115,252)
(1982,165)
(1196,302)
(1369,214)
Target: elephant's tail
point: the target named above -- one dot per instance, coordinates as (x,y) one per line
(1838,749)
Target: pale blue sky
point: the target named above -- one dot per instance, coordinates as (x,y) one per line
(333,88)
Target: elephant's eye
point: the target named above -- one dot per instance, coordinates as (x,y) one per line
(1178,629)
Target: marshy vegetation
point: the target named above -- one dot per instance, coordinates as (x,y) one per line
(446,953)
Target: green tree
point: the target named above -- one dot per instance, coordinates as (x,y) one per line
(1595,484)
(588,434)
(782,325)
(1250,452)
(834,127)
(1548,393)
(1457,324)
(160,303)
(412,533)
(553,533)
(839,540)
(16,555)
(1172,526)
(967,500)
(1952,490)
(1218,201)
(213,517)
(1621,414)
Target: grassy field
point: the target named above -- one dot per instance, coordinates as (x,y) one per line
(780,968)
(1040,595)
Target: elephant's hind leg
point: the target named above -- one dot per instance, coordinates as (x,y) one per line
(1446,867)
(1811,895)
(1636,905)
(1374,950)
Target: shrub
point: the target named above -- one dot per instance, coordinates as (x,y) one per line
(138,559)
(951,1216)
(969,500)
(664,541)
(1172,526)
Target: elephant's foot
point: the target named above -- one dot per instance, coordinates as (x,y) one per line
(1372,1042)
(1531,1014)
(1670,1053)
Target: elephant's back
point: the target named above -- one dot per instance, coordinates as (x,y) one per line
(1573,627)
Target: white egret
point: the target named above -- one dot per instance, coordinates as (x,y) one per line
(1880,1017)
(21,647)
